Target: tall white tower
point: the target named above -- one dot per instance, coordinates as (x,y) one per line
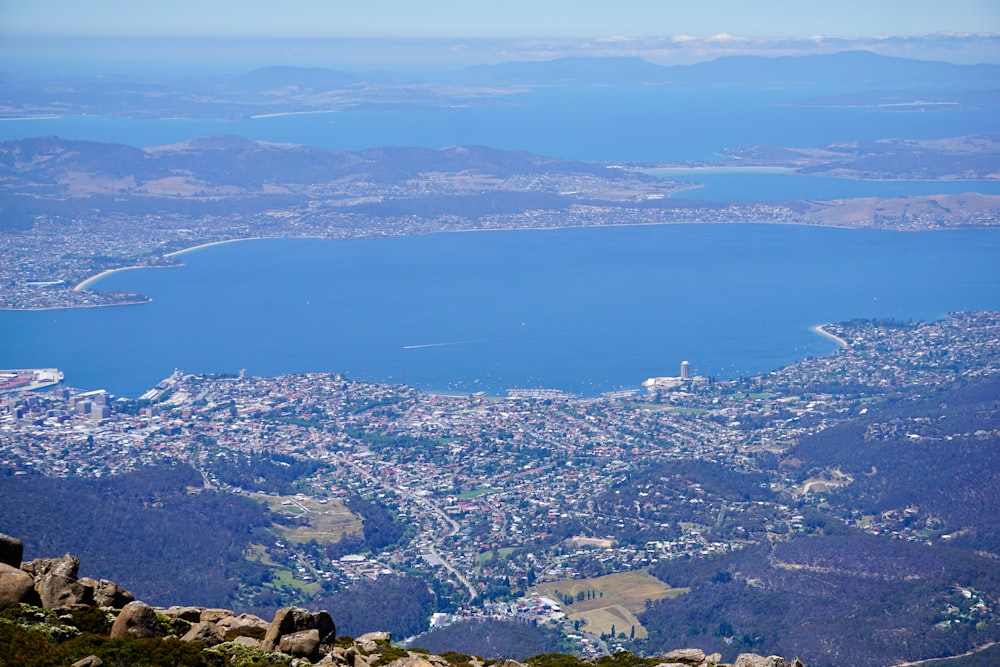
(685,370)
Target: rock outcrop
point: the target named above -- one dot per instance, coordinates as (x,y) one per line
(57,583)
(189,614)
(205,633)
(754,660)
(11,550)
(17,586)
(300,626)
(212,627)
(296,637)
(53,583)
(106,593)
(692,656)
(137,620)
(89,661)
(301,644)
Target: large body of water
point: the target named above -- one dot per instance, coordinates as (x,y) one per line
(596,123)
(624,124)
(584,310)
(581,310)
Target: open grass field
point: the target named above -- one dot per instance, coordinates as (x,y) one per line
(500,554)
(327,522)
(616,617)
(615,600)
(475,493)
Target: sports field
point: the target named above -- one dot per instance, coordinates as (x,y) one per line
(611,600)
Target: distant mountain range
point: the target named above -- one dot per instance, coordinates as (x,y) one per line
(225,165)
(847,67)
(224,174)
(290,89)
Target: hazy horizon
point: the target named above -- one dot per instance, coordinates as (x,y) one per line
(47,56)
(110,36)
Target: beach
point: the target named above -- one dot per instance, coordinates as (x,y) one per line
(183,251)
(85,284)
(826,334)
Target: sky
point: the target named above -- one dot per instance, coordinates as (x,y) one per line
(493,19)
(378,33)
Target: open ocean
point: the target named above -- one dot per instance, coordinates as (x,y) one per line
(584,310)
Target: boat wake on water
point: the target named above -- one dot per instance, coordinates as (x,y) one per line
(454,342)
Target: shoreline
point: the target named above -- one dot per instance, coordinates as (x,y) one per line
(819,329)
(718,169)
(662,172)
(209,244)
(86,282)
(13,118)
(146,299)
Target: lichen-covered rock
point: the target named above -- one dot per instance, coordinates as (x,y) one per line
(17,586)
(215,615)
(58,592)
(106,593)
(247,641)
(713,658)
(330,660)
(754,660)
(288,620)
(302,644)
(438,661)
(189,614)
(244,625)
(56,582)
(138,620)
(375,637)
(366,646)
(66,566)
(693,656)
(89,661)
(11,551)
(347,656)
(411,661)
(205,633)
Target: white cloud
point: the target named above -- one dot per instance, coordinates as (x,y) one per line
(615,39)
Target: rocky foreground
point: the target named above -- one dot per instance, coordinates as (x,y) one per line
(45,607)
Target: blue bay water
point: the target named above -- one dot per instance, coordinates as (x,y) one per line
(597,123)
(584,310)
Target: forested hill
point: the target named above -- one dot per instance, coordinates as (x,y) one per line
(50,616)
(898,557)
(160,541)
(225,166)
(925,460)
